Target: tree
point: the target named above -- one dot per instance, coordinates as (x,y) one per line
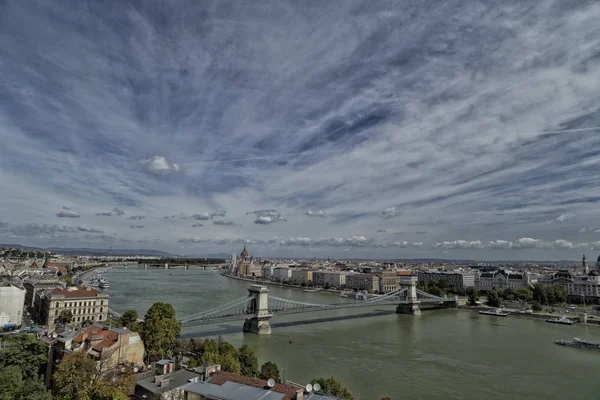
(230,363)
(268,371)
(26,352)
(248,361)
(106,391)
(493,300)
(65,316)
(386,397)
(473,296)
(160,329)
(75,376)
(535,306)
(334,387)
(11,381)
(129,317)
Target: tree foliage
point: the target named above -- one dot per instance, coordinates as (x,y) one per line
(268,371)
(129,318)
(473,296)
(334,387)
(26,352)
(386,397)
(535,306)
(439,288)
(493,300)
(248,361)
(549,295)
(160,329)
(75,377)
(65,317)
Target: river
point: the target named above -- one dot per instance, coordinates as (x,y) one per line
(443,354)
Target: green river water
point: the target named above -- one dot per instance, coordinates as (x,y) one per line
(443,354)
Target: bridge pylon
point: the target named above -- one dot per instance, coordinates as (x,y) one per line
(259,324)
(412,306)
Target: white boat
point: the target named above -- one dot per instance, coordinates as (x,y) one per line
(561,320)
(498,312)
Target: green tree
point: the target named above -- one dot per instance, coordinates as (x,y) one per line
(540,293)
(473,296)
(160,329)
(129,317)
(65,316)
(493,300)
(106,391)
(334,387)
(26,352)
(11,381)
(230,363)
(386,397)
(535,306)
(248,361)
(269,370)
(35,390)
(75,376)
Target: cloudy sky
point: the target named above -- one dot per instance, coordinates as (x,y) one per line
(454,129)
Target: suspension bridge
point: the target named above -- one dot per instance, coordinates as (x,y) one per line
(258,307)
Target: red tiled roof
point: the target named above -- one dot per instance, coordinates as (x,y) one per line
(60,267)
(33,265)
(219,378)
(403,273)
(106,336)
(76,292)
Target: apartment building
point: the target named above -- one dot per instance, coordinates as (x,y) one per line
(85,304)
(368,282)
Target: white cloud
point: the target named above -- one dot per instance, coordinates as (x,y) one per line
(459,244)
(500,244)
(562,218)
(318,213)
(266,217)
(404,244)
(159,165)
(87,228)
(223,223)
(68,214)
(389,213)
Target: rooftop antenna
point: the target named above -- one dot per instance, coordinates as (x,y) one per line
(271,382)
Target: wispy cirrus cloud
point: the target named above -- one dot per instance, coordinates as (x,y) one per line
(223,223)
(345,119)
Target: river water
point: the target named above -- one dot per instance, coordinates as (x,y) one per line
(443,354)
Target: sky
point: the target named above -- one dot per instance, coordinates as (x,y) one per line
(346,128)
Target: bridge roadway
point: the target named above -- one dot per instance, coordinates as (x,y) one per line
(258,307)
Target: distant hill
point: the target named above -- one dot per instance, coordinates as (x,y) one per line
(95,252)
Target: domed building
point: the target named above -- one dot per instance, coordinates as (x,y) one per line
(244,254)
(580,288)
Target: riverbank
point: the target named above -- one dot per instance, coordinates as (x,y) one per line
(540,316)
(281,285)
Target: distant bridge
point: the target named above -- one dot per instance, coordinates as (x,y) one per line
(258,307)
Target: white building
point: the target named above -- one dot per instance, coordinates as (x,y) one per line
(502,280)
(282,274)
(333,279)
(12,300)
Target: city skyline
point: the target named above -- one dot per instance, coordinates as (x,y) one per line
(342,129)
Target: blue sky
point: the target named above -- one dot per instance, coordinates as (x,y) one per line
(341,128)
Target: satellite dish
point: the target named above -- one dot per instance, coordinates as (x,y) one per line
(271,382)
(317,387)
(135,370)
(309,387)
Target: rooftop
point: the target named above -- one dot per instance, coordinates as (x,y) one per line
(78,292)
(232,390)
(178,378)
(221,377)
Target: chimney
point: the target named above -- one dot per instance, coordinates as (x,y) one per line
(164,383)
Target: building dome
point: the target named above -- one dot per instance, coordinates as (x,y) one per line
(563,274)
(594,273)
(244,253)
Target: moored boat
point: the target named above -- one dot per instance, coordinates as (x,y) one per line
(578,344)
(498,312)
(561,320)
